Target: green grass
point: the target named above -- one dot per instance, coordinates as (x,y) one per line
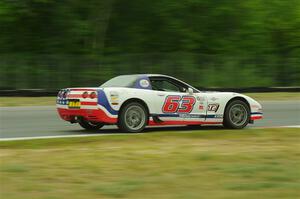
(50,101)
(275,96)
(233,164)
(27,101)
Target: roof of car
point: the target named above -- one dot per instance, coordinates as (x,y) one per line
(159,75)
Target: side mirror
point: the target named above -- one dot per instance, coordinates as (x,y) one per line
(190,91)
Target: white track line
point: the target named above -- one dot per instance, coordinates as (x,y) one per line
(62,136)
(292,126)
(94,135)
(272,127)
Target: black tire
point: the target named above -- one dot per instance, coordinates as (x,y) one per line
(90,125)
(234,119)
(139,118)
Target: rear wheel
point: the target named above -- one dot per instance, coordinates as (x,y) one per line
(88,125)
(237,115)
(133,117)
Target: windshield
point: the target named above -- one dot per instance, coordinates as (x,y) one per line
(121,81)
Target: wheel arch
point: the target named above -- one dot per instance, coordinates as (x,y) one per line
(134,100)
(237,98)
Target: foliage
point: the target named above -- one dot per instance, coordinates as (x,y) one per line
(52,44)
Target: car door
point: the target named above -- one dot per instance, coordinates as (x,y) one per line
(173,102)
(198,114)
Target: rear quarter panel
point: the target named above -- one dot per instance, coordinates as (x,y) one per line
(118,95)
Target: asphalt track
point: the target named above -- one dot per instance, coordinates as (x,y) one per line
(39,121)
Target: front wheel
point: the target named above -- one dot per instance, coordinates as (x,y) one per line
(133,117)
(237,115)
(88,125)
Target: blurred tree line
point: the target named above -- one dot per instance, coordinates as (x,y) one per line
(223,43)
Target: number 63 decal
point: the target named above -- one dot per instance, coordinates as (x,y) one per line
(176,103)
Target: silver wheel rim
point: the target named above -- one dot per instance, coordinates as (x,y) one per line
(238,114)
(135,117)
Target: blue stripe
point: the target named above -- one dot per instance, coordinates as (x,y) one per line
(184,115)
(166,115)
(256,113)
(210,116)
(103,101)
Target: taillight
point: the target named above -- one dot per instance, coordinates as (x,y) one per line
(85,95)
(93,95)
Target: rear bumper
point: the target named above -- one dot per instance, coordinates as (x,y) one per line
(95,115)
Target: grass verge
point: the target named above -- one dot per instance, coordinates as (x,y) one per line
(50,101)
(274,96)
(252,163)
(27,101)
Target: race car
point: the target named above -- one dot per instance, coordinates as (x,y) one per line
(133,102)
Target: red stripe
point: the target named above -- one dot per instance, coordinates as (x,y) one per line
(89,103)
(90,114)
(256,117)
(75,96)
(152,123)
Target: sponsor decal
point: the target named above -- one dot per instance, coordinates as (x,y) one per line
(144,83)
(201,99)
(184,115)
(114,98)
(178,104)
(113,94)
(201,107)
(213,107)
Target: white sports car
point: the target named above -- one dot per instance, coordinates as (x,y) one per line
(135,101)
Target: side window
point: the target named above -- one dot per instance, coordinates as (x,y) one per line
(165,85)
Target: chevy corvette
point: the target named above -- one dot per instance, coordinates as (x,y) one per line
(133,102)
